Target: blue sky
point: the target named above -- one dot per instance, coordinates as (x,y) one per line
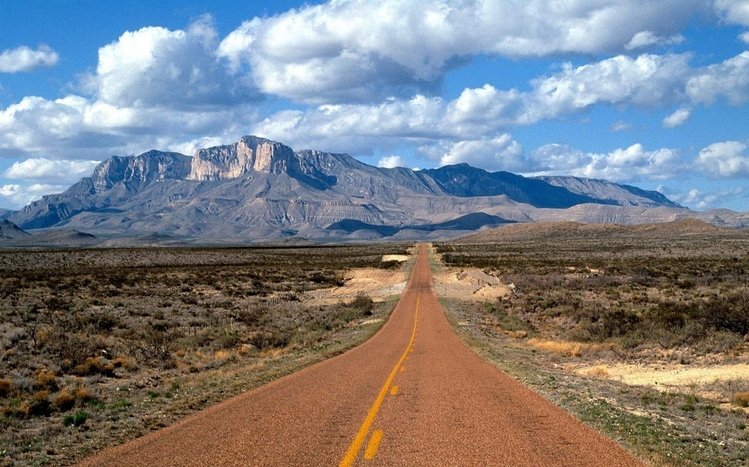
(648,93)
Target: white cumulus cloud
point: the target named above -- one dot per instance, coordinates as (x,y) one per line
(477,112)
(700,199)
(25,58)
(498,153)
(15,196)
(49,170)
(677,118)
(623,164)
(360,50)
(729,79)
(391,162)
(727,159)
(648,38)
(734,11)
(155,66)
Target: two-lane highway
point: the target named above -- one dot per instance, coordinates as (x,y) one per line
(411,395)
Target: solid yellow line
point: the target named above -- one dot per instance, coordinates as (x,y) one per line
(374,443)
(394,390)
(353,449)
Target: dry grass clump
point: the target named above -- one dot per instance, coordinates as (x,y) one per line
(64,400)
(6,386)
(741,399)
(598,371)
(565,348)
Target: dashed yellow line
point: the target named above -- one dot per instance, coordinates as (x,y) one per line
(394,390)
(374,443)
(356,444)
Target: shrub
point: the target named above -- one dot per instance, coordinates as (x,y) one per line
(363,304)
(64,400)
(6,386)
(77,419)
(94,366)
(729,313)
(741,399)
(45,380)
(83,394)
(37,405)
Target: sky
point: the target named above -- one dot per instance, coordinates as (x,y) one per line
(653,94)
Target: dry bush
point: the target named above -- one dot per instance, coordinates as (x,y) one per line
(599,371)
(566,348)
(94,366)
(83,394)
(38,404)
(45,380)
(6,386)
(741,399)
(64,400)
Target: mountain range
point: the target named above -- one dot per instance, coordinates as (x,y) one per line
(260,190)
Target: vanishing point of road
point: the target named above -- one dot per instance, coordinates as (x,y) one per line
(412,395)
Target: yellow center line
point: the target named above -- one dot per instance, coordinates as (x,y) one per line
(374,443)
(355,446)
(394,390)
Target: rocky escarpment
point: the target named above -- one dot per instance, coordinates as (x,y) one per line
(136,172)
(253,155)
(249,154)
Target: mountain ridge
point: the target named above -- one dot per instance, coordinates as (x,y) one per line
(257,189)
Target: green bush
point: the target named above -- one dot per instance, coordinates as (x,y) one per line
(77,419)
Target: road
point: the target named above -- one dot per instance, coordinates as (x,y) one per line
(413,394)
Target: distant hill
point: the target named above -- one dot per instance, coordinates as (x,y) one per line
(261,190)
(623,195)
(473,221)
(566,230)
(10,231)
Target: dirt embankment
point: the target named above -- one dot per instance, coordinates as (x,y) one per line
(470,283)
(380,284)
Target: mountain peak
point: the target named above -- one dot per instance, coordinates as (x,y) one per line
(249,154)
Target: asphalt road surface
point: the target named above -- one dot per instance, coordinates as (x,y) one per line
(412,395)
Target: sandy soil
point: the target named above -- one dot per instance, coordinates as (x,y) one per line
(401,258)
(665,376)
(471,283)
(698,380)
(378,284)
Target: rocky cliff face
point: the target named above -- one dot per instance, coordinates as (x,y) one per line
(250,154)
(137,172)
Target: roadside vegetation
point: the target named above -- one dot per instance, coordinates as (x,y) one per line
(101,346)
(644,338)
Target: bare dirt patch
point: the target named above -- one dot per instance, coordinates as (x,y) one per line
(399,258)
(666,377)
(378,284)
(470,283)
